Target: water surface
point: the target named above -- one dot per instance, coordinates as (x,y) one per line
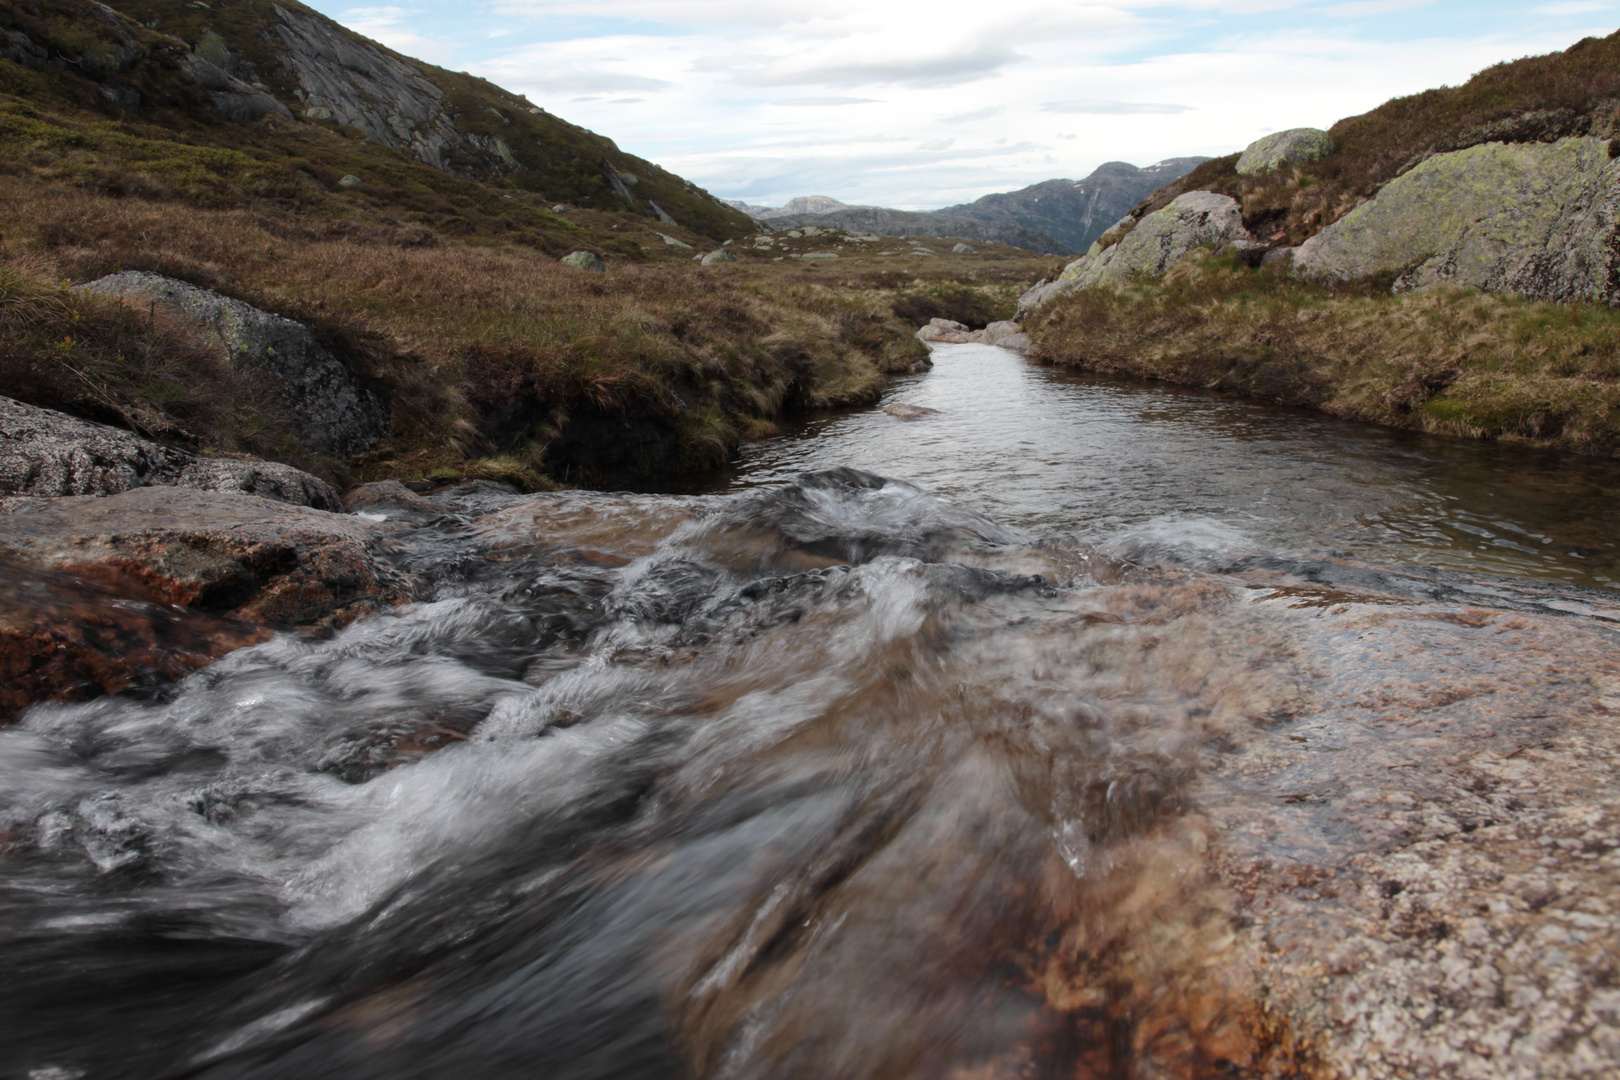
(1057,452)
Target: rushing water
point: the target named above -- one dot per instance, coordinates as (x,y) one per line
(826,776)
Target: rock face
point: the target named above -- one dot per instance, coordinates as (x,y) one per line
(47,454)
(718,256)
(357,84)
(585,260)
(1076,212)
(329,409)
(1153,246)
(1537,219)
(1297,146)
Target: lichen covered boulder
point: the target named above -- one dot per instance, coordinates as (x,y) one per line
(1156,243)
(717,256)
(329,408)
(1537,219)
(1296,146)
(585,260)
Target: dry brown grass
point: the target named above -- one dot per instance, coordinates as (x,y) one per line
(492,353)
(1445,361)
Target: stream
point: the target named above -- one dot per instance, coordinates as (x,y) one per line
(911,748)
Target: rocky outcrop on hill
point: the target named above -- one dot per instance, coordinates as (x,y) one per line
(1296,146)
(1076,212)
(882,222)
(326,405)
(1537,219)
(359,85)
(1151,246)
(46,454)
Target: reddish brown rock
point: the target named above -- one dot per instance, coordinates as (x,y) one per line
(107,593)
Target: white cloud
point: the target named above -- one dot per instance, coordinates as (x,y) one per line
(829,100)
(1095,107)
(918,104)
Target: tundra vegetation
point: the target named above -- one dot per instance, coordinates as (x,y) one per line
(1445,360)
(440,286)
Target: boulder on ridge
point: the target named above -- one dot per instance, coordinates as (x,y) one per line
(1296,146)
(325,404)
(1537,219)
(1156,243)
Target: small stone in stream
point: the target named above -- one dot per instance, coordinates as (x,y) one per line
(719,255)
(902,411)
(964,249)
(585,260)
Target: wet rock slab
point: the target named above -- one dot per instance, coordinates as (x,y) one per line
(205,571)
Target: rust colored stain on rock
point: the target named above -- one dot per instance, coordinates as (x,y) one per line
(66,638)
(104,594)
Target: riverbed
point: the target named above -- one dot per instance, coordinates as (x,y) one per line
(1080,729)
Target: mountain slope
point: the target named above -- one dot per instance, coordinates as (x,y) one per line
(1076,212)
(253,72)
(885,222)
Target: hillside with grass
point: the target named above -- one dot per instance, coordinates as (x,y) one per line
(419,237)
(1444,268)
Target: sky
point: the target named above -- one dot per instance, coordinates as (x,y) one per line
(918,104)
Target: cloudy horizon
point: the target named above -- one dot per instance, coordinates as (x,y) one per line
(912,105)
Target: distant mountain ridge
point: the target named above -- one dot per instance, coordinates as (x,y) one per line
(1054,217)
(1077,212)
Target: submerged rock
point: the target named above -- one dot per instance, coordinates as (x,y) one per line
(901,411)
(327,406)
(1296,146)
(1535,219)
(585,260)
(46,454)
(1155,244)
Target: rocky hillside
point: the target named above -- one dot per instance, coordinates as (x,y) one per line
(884,222)
(1076,212)
(277,80)
(1344,269)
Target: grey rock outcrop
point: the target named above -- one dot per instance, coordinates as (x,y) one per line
(584,260)
(1538,219)
(1156,243)
(964,249)
(718,256)
(1296,146)
(45,454)
(328,408)
(356,84)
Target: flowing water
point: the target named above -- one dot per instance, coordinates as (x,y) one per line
(822,775)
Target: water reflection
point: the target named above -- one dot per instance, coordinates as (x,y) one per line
(1110,460)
